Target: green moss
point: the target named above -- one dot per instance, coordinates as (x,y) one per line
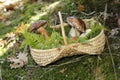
(4,29)
(83,69)
(23,16)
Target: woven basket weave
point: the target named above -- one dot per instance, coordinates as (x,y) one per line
(93,47)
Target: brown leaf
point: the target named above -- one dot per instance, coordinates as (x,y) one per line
(81,7)
(63,70)
(11,7)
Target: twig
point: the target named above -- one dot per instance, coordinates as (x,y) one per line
(112,55)
(46,72)
(58,26)
(68,62)
(88,14)
(105,12)
(62,28)
(112,60)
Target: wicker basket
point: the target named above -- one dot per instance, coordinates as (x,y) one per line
(93,47)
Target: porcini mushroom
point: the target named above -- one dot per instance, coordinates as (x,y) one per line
(37,25)
(77,23)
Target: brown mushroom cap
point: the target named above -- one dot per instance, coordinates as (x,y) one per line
(76,23)
(37,25)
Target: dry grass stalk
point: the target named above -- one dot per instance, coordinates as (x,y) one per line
(62,28)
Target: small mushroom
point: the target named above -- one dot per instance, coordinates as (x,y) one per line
(43,32)
(37,25)
(77,23)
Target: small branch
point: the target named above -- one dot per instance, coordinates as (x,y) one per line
(46,72)
(112,60)
(68,62)
(105,12)
(88,14)
(58,26)
(62,28)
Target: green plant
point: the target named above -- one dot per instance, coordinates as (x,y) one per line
(95,30)
(31,39)
(39,42)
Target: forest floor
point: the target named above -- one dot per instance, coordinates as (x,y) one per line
(105,66)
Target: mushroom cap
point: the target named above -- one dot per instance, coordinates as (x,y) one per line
(37,25)
(76,23)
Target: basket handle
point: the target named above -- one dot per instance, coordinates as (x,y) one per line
(62,28)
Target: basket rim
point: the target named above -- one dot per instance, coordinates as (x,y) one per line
(92,39)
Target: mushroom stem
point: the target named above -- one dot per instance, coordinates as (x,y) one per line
(43,32)
(62,28)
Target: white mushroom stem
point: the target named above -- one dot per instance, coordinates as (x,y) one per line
(62,28)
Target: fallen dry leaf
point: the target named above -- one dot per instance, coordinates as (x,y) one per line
(114,32)
(10,35)
(18,61)
(23,57)
(63,70)
(79,6)
(8,5)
